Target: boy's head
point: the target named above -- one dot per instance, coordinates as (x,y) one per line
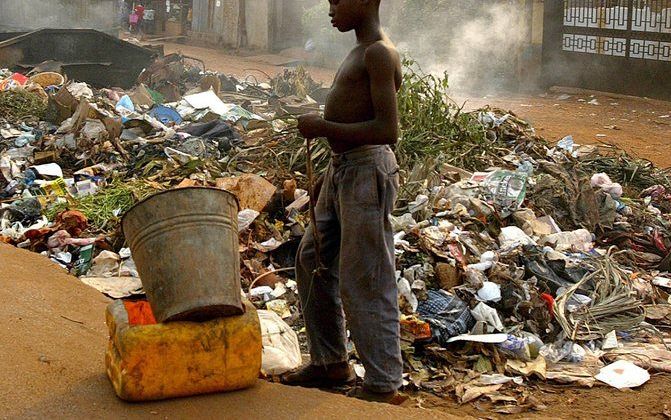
(347,15)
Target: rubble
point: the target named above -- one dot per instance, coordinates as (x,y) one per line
(517,261)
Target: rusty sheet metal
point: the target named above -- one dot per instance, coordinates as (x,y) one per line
(87,55)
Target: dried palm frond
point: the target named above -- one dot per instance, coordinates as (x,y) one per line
(614,305)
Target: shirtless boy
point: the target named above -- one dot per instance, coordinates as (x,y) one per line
(357,195)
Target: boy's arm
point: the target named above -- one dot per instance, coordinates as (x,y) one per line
(383,129)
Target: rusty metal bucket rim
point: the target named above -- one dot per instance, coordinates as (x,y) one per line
(146,199)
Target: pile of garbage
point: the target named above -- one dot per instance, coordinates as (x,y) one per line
(518,260)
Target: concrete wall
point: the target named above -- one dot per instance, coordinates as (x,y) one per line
(217,21)
(230,12)
(257,21)
(200,16)
(62,14)
(531,64)
(259,24)
(287,25)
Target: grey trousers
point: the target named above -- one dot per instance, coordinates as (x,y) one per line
(357,248)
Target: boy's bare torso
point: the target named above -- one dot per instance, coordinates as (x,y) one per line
(350,99)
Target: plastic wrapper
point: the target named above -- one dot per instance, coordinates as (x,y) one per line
(604,182)
(246,218)
(448,315)
(128,268)
(490,292)
(506,189)
(407,300)
(488,315)
(512,237)
(281,351)
(566,351)
(402,223)
(523,346)
(579,240)
(106,264)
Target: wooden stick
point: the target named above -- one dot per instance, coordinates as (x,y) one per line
(313,204)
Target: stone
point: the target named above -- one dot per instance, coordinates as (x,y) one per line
(448,276)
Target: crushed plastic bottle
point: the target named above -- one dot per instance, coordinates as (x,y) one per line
(523,346)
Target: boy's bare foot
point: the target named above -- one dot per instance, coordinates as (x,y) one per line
(362,393)
(313,376)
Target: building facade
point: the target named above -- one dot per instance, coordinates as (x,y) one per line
(258,24)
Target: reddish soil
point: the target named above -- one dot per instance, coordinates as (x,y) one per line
(640,126)
(52,361)
(567,402)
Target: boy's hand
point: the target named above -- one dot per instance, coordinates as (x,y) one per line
(311,125)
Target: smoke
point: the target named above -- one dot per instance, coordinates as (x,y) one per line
(478,43)
(21,15)
(479,52)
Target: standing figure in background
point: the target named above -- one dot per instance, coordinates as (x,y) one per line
(149,19)
(139,11)
(133,23)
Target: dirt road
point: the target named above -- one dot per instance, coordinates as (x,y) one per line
(52,351)
(640,126)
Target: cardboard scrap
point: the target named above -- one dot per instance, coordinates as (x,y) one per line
(519,367)
(577,374)
(253,191)
(470,393)
(115,287)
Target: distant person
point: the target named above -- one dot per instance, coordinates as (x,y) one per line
(139,11)
(352,217)
(133,20)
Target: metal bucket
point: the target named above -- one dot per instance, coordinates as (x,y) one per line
(185,245)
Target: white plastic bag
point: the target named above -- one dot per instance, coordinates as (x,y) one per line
(245,218)
(106,264)
(579,240)
(281,351)
(623,374)
(489,316)
(604,182)
(513,237)
(405,291)
(490,292)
